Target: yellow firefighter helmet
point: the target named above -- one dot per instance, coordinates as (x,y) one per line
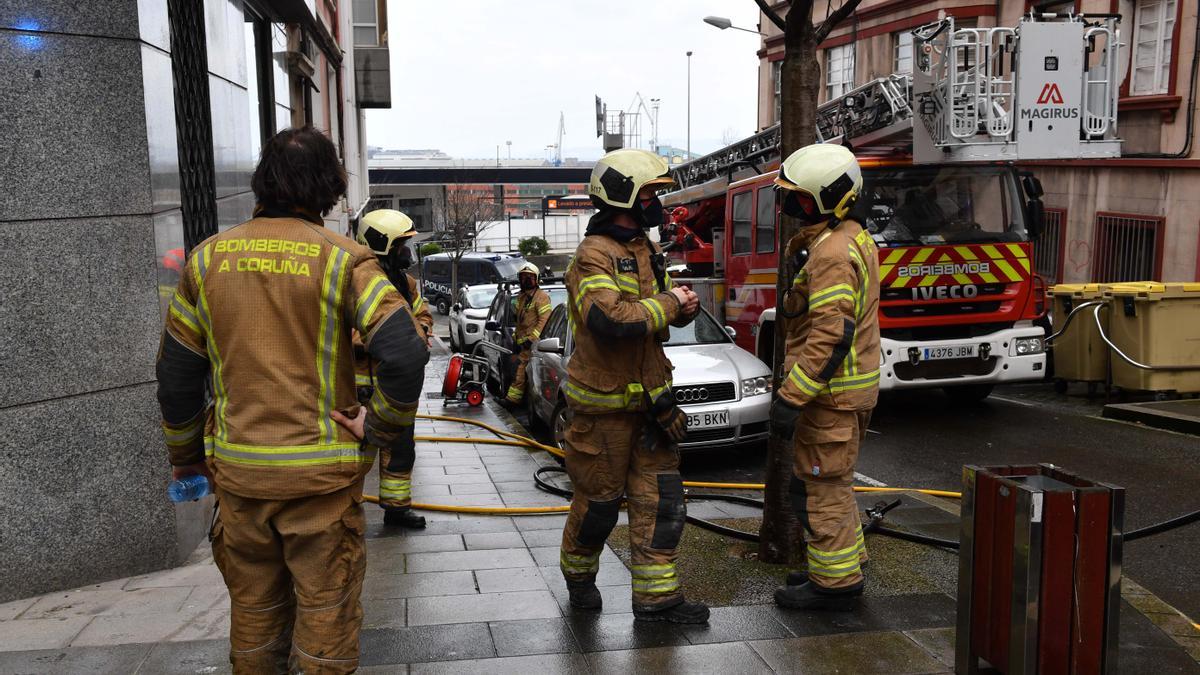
(621,174)
(827,172)
(379,230)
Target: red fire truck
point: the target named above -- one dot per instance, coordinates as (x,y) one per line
(954,217)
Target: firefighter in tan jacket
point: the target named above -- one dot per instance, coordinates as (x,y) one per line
(261,322)
(832,369)
(387,233)
(533,308)
(621,440)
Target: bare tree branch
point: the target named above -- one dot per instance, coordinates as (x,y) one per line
(835,18)
(771,14)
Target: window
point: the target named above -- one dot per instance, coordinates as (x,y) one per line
(1127,248)
(257,38)
(902,60)
(839,70)
(741,222)
(366,23)
(764,221)
(1154,23)
(777,80)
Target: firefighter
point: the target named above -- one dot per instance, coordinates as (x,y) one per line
(387,233)
(261,322)
(533,308)
(625,425)
(832,369)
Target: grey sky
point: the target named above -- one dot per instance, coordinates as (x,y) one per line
(472,74)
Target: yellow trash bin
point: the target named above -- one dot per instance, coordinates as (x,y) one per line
(1155,324)
(1079,353)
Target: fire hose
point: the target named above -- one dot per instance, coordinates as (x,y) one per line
(875,515)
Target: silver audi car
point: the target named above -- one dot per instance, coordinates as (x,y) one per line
(725,390)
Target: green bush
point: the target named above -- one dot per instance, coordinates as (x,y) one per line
(429,248)
(533,246)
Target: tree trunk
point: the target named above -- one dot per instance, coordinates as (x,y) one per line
(780,538)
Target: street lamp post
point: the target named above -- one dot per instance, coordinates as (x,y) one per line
(689,106)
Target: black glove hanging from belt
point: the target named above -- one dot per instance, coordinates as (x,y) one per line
(666,413)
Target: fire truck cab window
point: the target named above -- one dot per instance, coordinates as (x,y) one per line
(764,221)
(942,205)
(741,222)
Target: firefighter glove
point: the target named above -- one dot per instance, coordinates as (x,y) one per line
(668,416)
(783,418)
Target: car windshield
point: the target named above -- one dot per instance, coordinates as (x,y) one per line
(557,297)
(480,298)
(507,267)
(953,204)
(703,331)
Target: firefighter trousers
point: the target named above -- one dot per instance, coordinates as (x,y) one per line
(826,444)
(294,569)
(516,392)
(395,474)
(624,454)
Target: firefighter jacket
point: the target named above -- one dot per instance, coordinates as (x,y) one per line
(363,363)
(263,314)
(832,314)
(532,311)
(618,315)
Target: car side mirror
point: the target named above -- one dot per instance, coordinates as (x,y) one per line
(731,332)
(1035,216)
(456,307)
(492,325)
(550,344)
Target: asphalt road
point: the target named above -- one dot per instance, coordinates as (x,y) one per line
(922,439)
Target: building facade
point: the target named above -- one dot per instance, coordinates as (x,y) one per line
(1132,218)
(133,128)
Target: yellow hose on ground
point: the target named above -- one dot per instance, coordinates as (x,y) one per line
(509,438)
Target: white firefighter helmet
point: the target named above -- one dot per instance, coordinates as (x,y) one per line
(529,268)
(379,230)
(827,172)
(621,174)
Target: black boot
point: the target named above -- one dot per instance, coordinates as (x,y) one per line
(797,577)
(403,517)
(680,612)
(811,596)
(584,595)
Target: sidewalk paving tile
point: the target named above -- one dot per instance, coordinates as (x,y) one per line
(884,653)
(163,627)
(937,641)
(23,634)
(456,479)
(732,657)
(212,596)
(482,607)
(512,665)
(604,631)
(493,540)
(455,463)
(11,610)
(420,492)
(465,468)
(895,612)
(533,636)
(384,612)
(532,498)
(470,560)
(419,644)
(188,575)
(473,489)
(610,574)
(541,538)
(469,500)
(547,522)
(210,657)
(507,580)
(732,624)
(468,526)
(116,659)
(112,602)
(417,584)
(401,542)
(505,487)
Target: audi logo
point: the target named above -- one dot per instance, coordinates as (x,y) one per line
(691,395)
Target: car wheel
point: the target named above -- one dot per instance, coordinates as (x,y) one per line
(969,393)
(455,345)
(558,424)
(443,306)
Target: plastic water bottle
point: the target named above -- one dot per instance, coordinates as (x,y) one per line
(188,489)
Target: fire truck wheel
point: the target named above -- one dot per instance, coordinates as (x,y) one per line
(969,393)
